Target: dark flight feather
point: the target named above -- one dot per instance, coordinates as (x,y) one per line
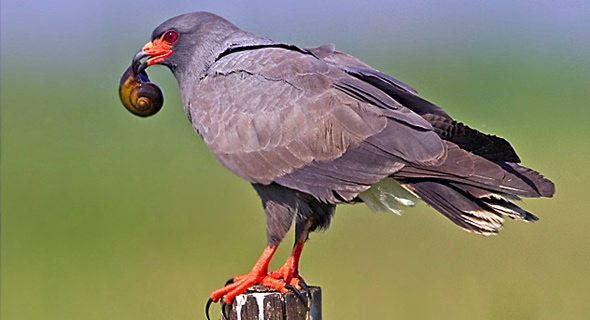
(485,145)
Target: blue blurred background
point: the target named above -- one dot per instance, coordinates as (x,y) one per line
(108,216)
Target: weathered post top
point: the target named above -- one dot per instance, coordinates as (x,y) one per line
(261,303)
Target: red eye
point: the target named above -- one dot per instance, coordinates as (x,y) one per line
(170,36)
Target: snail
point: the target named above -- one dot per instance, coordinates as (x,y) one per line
(140,96)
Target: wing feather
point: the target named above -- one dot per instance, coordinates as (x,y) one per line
(278,115)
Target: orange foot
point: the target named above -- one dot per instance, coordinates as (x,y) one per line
(241,283)
(285,278)
(259,274)
(288,274)
(281,280)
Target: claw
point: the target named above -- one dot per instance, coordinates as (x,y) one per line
(207,306)
(223,309)
(297,292)
(305,288)
(230,280)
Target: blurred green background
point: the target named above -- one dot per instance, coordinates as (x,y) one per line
(109,216)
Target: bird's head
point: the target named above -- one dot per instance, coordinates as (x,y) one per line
(188,43)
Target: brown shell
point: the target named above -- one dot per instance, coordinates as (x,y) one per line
(138,95)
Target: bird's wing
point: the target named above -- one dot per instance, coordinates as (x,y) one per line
(273,114)
(395,88)
(488,146)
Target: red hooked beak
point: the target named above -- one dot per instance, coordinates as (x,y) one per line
(156,51)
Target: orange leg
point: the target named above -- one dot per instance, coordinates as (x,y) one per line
(289,272)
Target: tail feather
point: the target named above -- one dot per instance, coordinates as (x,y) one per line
(500,202)
(478,192)
(471,190)
(473,209)
(463,209)
(509,209)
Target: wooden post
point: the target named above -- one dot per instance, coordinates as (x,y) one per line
(275,305)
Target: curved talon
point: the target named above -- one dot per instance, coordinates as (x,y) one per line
(229,281)
(223,310)
(297,292)
(305,287)
(207,306)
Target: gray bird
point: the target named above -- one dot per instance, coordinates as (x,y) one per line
(311,128)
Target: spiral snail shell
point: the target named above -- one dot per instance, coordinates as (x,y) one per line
(140,96)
